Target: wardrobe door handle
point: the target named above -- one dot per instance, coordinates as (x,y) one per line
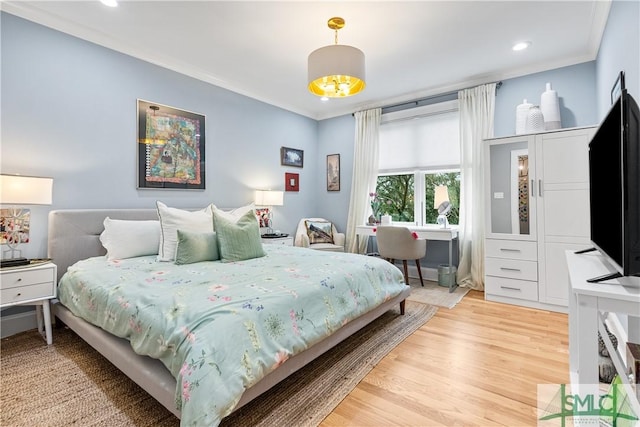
(533,188)
(540,187)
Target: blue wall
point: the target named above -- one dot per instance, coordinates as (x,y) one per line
(69,112)
(619,51)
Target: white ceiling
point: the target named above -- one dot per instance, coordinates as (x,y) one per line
(412,49)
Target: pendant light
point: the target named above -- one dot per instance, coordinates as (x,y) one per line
(336,71)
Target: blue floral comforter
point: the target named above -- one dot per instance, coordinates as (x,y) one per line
(221,327)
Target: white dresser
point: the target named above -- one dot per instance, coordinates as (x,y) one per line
(536,207)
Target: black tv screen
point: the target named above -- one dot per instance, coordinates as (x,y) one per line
(614,175)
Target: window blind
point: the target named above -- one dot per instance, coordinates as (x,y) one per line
(424,138)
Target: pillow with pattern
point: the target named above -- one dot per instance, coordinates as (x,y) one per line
(319,231)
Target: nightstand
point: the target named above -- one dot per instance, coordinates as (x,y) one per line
(33,284)
(286,241)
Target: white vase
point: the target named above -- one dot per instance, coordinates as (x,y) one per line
(521,117)
(535,120)
(550,107)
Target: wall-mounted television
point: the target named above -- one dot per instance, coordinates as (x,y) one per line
(614,179)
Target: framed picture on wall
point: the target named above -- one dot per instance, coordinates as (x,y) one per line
(170,147)
(618,87)
(291,157)
(291,181)
(333,172)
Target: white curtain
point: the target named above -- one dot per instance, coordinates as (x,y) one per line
(477,106)
(365,173)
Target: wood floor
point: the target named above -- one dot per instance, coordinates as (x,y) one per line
(477,364)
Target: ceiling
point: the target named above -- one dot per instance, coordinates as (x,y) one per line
(413,49)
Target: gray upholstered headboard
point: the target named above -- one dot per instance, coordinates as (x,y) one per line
(74,234)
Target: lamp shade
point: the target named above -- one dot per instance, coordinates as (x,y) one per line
(441,195)
(269,198)
(25,190)
(336,71)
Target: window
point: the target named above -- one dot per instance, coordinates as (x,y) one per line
(419,150)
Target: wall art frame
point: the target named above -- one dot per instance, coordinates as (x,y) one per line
(333,172)
(171,147)
(291,157)
(291,181)
(618,87)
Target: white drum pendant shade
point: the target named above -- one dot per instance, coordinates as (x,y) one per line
(336,71)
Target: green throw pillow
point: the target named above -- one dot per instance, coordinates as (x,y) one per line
(196,246)
(238,240)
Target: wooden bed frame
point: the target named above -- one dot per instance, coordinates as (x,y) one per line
(74,235)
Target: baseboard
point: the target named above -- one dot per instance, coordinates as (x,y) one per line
(427,273)
(16,323)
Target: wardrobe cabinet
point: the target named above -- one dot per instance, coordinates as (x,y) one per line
(536,208)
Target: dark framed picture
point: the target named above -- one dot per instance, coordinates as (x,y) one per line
(618,87)
(333,172)
(171,146)
(291,157)
(291,181)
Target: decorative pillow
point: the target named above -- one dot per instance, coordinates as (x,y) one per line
(172,219)
(128,239)
(234,215)
(239,240)
(195,247)
(319,231)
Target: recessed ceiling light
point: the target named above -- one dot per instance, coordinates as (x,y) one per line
(521,46)
(110,3)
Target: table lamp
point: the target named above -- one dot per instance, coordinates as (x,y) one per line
(269,199)
(20,190)
(441,202)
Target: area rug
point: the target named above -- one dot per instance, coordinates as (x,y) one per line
(434,294)
(69,383)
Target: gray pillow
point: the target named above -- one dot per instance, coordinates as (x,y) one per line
(196,246)
(238,240)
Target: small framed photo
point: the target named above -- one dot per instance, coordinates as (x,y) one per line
(618,87)
(333,172)
(291,157)
(291,181)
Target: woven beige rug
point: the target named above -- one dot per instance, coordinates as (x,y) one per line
(69,383)
(434,294)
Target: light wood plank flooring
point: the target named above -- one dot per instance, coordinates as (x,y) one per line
(477,364)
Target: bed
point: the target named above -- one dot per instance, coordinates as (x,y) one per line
(74,242)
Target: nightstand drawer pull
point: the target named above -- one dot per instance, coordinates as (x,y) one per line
(511,288)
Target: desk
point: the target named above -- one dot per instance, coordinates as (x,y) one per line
(586,302)
(429,232)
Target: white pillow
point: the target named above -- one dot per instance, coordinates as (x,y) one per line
(234,215)
(172,219)
(127,239)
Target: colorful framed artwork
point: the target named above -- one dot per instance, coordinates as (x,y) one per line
(333,172)
(171,146)
(291,157)
(291,181)
(263,215)
(14,226)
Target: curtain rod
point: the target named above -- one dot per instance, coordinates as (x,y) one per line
(416,103)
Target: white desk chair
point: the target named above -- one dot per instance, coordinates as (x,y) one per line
(398,243)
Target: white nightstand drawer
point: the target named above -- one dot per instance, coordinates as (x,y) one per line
(16,278)
(513,268)
(521,289)
(512,249)
(26,293)
(286,241)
